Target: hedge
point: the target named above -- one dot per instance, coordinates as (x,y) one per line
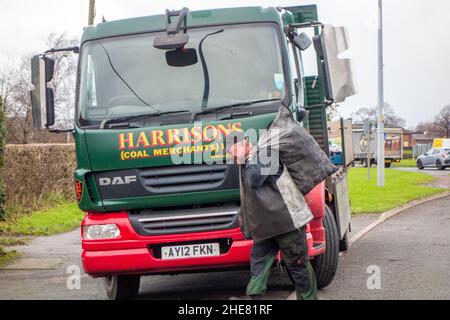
(33,174)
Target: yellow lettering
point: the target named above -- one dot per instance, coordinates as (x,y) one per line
(126,143)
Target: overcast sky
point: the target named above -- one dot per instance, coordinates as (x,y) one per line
(417,42)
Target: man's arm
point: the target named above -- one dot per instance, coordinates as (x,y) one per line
(253,176)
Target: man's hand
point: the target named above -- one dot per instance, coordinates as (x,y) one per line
(241,151)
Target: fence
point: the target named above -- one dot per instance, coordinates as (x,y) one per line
(420,149)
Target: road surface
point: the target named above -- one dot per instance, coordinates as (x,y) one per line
(411,253)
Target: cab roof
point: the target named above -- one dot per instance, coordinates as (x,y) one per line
(194,19)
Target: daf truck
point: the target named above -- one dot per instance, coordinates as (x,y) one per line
(154,89)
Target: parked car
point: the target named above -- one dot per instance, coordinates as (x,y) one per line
(435,158)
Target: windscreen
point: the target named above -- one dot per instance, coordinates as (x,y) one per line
(126,75)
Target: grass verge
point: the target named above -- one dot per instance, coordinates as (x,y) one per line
(7,256)
(405,164)
(62,218)
(401,188)
(13,241)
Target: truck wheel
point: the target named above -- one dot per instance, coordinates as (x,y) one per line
(325,265)
(420,165)
(388,165)
(344,244)
(440,166)
(122,287)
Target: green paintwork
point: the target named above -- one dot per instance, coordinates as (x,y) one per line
(98,150)
(301,14)
(105,154)
(194,19)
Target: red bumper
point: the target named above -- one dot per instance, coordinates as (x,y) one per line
(133,254)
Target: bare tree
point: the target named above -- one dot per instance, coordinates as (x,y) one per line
(15,87)
(442,122)
(64,79)
(391,120)
(365,114)
(333,113)
(6,78)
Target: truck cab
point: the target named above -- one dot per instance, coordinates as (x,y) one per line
(156,97)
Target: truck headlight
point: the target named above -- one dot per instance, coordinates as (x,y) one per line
(101,232)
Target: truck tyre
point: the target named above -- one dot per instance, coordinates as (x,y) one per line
(420,165)
(122,287)
(439,165)
(388,165)
(344,244)
(325,265)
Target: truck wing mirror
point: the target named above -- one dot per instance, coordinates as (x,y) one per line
(42,97)
(181,57)
(174,38)
(302,41)
(338,74)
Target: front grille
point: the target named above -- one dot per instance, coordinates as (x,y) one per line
(149,222)
(183,178)
(158,181)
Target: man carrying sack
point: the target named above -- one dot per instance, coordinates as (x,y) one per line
(273,208)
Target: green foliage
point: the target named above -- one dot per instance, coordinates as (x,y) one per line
(407,154)
(62,218)
(405,164)
(401,188)
(7,256)
(44,184)
(2,158)
(13,241)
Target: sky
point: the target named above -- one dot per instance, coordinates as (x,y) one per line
(417,45)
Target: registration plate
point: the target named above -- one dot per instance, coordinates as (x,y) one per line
(190,251)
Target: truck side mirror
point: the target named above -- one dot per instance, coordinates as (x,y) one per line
(302,41)
(42,96)
(338,74)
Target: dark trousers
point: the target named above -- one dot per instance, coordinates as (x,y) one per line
(294,251)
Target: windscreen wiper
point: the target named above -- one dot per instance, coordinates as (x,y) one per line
(205,69)
(138,117)
(123,80)
(231,106)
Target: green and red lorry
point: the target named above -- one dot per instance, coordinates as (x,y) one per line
(151,90)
